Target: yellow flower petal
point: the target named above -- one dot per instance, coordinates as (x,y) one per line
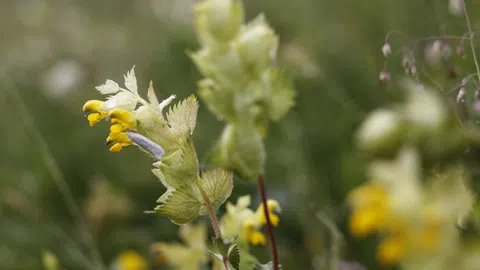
(94,118)
(364,221)
(114,129)
(274,219)
(122,117)
(368,194)
(92,106)
(391,250)
(257,238)
(429,239)
(117,147)
(131,260)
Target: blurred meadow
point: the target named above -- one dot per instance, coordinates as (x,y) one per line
(63,192)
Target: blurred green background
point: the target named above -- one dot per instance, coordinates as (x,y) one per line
(53,54)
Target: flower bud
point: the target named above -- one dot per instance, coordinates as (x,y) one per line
(413,69)
(380,132)
(218,20)
(405,61)
(415,109)
(460,50)
(386,50)
(257,44)
(384,78)
(455,7)
(433,53)
(461,95)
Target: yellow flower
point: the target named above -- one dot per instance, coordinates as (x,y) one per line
(242,221)
(120,119)
(370,209)
(391,250)
(120,141)
(272,205)
(130,260)
(372,212)
(93,112)
(253,236)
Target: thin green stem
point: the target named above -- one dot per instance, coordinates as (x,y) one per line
(470,34)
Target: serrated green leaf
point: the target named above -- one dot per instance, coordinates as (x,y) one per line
(181,206)
(182,117)
(158,173)
(218,185)
(234,256)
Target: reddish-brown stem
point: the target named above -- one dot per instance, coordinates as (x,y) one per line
(215,224)
(271,234)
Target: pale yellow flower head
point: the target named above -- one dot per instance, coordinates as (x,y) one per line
(246,223)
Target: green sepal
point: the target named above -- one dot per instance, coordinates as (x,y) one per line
(220,247)
(240,149)
(282,93)
(234,256)
(219,100)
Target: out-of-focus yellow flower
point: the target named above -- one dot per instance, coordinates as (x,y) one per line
(184,256)
(129,260)
(370,206)
(272,206)
(391,249)
(242,221)
(372,213)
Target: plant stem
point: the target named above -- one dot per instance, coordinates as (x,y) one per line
(470,33)
(271,234)
(215,223)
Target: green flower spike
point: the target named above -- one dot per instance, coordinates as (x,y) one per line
(241,86)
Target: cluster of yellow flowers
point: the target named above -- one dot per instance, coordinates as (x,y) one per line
(246,223)
(121,121)
(122,111)
(372,212)
(416,218)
